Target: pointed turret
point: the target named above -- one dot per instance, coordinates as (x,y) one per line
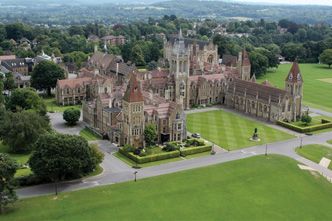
(133,92)
(180,34)
(294,74)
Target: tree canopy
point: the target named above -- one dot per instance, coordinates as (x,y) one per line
(71,115)
(59,157)
(150,134)
(326,57)
(21,130)
(7,171)
(45,76)
(26,99)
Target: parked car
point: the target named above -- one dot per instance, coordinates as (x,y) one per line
(196,135)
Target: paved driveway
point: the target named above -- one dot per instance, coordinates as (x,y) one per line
(59,124)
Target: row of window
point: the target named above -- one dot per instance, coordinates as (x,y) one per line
(136,132)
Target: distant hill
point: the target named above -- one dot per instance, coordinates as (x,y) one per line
(66,12)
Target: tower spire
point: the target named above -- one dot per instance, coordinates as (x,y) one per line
(180,34)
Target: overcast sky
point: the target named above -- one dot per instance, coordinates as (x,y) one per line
(311,2)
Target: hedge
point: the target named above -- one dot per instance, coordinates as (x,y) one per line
(305,129)
(150,158)
(194,150)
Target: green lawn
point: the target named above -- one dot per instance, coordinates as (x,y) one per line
(231,131)
(53,107)
(317,83)
(315,152)
(257,188)
(330,141)
(88,135)
(20,158)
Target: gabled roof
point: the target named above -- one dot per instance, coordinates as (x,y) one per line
(133,92)
(252,89)
(72,83)
(294,74)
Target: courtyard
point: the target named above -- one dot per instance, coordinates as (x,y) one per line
(232,131)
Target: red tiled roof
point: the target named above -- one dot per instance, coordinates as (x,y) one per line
(7,57)
(72,83)
(294,74)
(133,92)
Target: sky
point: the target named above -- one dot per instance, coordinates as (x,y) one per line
(309,2)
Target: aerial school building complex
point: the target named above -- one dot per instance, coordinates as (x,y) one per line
(193,75)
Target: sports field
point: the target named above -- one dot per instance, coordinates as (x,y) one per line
(257,188)
(317,83)
(231,131)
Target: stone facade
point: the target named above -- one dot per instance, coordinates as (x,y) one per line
(123,114)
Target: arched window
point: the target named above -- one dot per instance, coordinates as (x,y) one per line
(210,59)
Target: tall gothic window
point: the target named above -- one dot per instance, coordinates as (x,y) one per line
(210,58)
(182,89)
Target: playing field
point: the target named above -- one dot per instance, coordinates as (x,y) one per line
(231,131)
(258,188)
(317,83)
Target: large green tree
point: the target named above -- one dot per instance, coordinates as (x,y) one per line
(9,82)
(7,171)
(326,57)
(259,63)
(71,115)
(21,130)
(26,99)
(59,157)
(45,76)
(150,134)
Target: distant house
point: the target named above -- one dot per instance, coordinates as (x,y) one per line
(93,38)
(7,57)
(18,65)
(114,40)
(22,81)
(45,57)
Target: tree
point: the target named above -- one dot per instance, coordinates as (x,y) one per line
(45,76)
(2,97)
(7,171)
(306,119)
(326,57)
(58,157)
(259,63)
(150,134)
(9,82)
(71,115)
(137,55)
(21,130)
(291,51)
(152,65)
(77,57)
(26,99)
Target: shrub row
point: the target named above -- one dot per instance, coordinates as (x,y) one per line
(305,129)
(150,158)
(195,150)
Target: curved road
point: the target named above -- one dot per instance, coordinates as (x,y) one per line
(116,171)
